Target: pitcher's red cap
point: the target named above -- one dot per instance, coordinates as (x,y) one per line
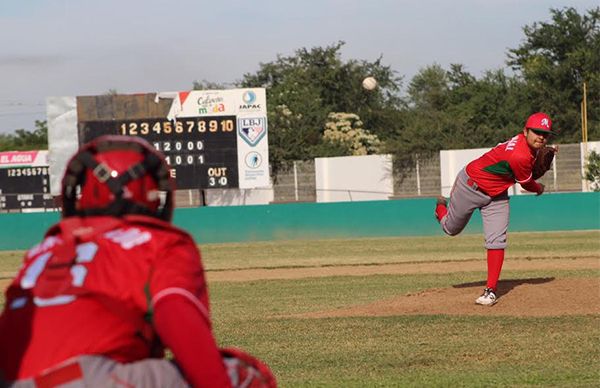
(539,122)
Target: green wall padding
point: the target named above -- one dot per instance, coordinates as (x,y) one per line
(405,217)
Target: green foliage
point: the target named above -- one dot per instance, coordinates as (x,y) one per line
(429,89)
(313,83)
(451,109)
(592,170)
(23,140)
(443,108)
(554,61)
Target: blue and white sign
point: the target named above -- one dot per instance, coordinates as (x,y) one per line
(249,106)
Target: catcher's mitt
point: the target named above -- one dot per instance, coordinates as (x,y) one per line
(246,371)
(543,162)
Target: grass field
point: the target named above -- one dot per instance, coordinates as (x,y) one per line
(279,300)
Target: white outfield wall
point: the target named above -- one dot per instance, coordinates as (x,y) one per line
(354,178)
(585,149)
(452,161)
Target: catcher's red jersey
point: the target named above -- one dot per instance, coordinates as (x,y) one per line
(93,294)
(502,166)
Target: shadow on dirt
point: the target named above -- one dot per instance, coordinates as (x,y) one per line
(505,286)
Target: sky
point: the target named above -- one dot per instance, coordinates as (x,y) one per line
(84,47)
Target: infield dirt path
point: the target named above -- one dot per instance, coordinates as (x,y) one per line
(523,297)
(245,275)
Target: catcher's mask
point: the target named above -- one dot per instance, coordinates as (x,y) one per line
(117,175)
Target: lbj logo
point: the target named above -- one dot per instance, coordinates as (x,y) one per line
(252,129)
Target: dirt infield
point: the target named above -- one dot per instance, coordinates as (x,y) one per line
(525,298)
(522,297)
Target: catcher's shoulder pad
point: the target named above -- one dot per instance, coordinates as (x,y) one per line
(543,162)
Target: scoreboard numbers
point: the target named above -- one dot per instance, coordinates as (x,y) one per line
(25,188)
(201,151)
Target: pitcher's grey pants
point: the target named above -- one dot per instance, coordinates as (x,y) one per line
(464,199)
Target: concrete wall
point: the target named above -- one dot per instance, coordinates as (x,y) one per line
(406,217)
(354,178)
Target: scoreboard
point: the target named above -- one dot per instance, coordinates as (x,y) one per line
(24,181)
(202,152)
(211,139)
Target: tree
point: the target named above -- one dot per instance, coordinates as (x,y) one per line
(310,85)
(487,110)
(592,170)
(429,89)
(451,109)
(24,140)
(554,60)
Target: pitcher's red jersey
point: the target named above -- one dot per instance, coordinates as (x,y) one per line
(102,303)
(502,166)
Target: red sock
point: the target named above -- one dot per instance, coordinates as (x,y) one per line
(440,211)
(495,258)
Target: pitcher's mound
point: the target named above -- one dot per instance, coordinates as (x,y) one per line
(525,297)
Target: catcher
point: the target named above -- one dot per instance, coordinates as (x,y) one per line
(483,184)
(114,283)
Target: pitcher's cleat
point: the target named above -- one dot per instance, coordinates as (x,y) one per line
(488,298)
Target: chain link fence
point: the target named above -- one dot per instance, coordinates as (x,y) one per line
(297,183)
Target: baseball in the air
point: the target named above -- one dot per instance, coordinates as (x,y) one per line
(369,83)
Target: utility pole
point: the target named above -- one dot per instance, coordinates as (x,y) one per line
(584,135)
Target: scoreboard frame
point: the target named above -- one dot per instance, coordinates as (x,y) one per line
(212,139)
(24,181)
(202,152)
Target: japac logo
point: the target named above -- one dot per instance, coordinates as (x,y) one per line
(210,104)
(249,102)
(252,129)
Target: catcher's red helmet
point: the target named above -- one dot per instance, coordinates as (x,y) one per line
(117,175)
(539,122)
